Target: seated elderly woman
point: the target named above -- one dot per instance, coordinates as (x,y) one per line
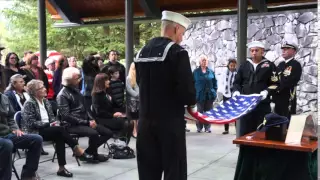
(105,114)
(16,92)
(38,118)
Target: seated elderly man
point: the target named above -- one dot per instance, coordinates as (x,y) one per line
(73,112)
(12,137)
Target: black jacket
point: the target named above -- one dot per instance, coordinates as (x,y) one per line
(165,80)
(102,106)
(289,76)
(250,81)
(122,70)
(71,107)
(3,79)
(42,76)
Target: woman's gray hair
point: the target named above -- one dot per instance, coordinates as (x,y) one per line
(68,74)
(13,80)
(33,86)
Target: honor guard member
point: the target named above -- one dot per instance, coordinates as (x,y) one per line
(289,72)
(255,76)
(166,85)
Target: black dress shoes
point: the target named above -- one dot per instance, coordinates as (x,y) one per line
(44,153)
(64,173)
(101,157)
(87,157)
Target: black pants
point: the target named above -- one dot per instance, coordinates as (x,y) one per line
(122,125)
(162,148)
(226,126)
(282,107)
(97,136)
(202,107)
(250,122)
(60,137)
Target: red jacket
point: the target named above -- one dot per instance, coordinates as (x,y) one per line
(50,80)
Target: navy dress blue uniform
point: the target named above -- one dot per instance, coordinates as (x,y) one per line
(285,99)
(166,85)
(253,80)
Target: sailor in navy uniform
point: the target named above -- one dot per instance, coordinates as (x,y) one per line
(166,85)
(289,72)
(255,76)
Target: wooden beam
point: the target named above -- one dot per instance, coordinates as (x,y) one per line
(150,8)
(65,11)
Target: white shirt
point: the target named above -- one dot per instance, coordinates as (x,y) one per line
(43,112)
(26,95)
(287,60)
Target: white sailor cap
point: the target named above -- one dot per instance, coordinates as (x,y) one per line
(49,61)
(287,44)
(255,44)
(176,17)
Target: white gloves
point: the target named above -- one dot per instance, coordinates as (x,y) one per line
(264,94)
(236,93)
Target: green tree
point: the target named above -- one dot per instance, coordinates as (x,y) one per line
(22,33)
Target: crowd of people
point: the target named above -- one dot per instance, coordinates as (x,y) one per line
(60,100)
(90,101)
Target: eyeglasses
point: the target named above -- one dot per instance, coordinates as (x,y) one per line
(41,88)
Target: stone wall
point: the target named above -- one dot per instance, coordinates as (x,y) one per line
(216,37)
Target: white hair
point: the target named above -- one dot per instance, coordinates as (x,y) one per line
(68,74)
(33,86)
(166,24)
(13,80)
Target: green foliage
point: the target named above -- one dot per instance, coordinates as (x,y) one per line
(21,34)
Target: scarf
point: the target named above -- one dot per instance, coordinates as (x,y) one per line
(229,84)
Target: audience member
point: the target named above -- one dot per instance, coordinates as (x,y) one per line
(117,88)
(105,114)
(33,71)
(13,136)
(113,62)
(16,92)
(133,97)
(89,69)
(38,118)
(75,116)
(12,66)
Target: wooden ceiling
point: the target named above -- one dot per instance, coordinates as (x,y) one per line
(111,9)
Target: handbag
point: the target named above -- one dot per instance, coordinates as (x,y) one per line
(121,152)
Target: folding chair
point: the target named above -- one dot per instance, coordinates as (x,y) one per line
(18,119)
(74,136)
(14,170)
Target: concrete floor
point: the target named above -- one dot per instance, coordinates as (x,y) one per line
(210,157)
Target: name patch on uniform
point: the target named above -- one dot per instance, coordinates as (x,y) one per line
(287,71)
(265,65)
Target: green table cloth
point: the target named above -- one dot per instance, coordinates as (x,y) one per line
(258,163)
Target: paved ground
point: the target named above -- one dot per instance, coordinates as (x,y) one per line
(210,157)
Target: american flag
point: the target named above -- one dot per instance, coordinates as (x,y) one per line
(228,111)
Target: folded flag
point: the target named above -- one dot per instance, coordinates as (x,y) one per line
(228,111)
